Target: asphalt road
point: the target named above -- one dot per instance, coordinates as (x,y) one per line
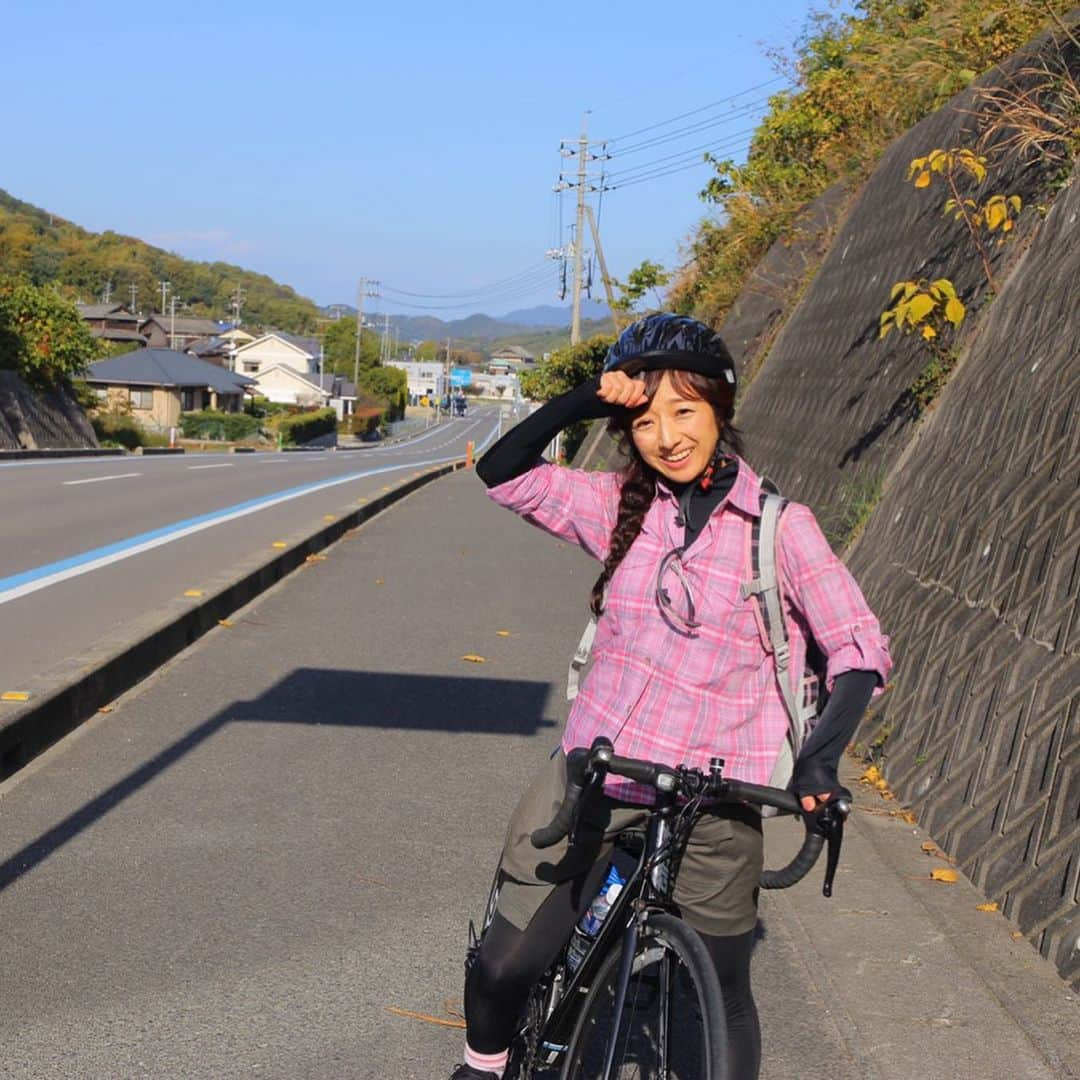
(261,861)
(88,545)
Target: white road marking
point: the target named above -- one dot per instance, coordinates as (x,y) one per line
(98,479)
(224,465)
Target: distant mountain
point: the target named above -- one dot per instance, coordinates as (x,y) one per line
(550,315)
(527,322)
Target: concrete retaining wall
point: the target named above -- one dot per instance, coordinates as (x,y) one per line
(33,421)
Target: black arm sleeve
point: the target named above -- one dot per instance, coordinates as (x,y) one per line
(815,771)
(518,450)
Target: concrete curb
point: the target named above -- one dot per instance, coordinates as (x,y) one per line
(18,455)
(62,698)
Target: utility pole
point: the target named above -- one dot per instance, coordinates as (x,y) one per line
(579,236)
(107,295)
(172,321)
(577,248)
(165,286)
(603,267)
(368,287)
(236,303)
(134,290)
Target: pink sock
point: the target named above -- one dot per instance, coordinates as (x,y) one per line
(486,1062)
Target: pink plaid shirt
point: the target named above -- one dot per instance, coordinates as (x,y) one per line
(673,696)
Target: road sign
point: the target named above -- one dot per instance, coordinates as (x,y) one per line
(460,376)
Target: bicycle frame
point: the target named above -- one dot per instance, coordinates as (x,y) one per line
(648,890)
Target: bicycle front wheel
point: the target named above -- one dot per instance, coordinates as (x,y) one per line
(671,1026)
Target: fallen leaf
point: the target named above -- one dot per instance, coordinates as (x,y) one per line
(474,659)
(14,695)
(105,708)
(379,581)
(424,1016)
(502,633)
(986,907)
(929,845)
(907,816)
(872,775)
(1017,935)
(193,592)
(224,622)
(329,517)
(278,544)
(940,873)
(881,785)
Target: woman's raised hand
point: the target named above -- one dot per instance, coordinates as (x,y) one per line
(617,388)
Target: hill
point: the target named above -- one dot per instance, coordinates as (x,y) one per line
(48,248)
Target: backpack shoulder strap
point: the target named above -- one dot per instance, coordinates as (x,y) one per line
(764,587)
(580,659)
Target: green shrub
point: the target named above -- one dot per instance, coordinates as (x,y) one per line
(213,424)
(304,427)
(120,429)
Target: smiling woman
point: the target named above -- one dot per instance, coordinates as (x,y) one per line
(680,669)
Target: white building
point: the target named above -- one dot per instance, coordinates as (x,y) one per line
(425,378)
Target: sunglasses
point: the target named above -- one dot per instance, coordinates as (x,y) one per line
(681,617)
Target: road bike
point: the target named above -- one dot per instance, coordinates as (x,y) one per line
(644,1001)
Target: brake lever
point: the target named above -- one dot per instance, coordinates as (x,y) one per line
(831,824)
(594,778)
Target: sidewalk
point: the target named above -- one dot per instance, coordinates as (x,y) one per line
(251,859)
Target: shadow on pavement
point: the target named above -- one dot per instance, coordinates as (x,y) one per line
(373,699)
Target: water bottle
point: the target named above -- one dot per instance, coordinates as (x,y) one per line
(593,919)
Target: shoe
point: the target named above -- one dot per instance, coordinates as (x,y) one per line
(467,1072)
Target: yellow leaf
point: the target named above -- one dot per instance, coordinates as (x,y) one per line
(955,311)
(929,333)
(193,592)
(1015,203)
(279,544)
(1017,935)
(944,874)
(872,775)
(14,695)
(986,907)
(922,180)
(945,286)
(995,215)
(919,308)
(224,622)
(378,580)
(882,785)
(908,817)
(502,633)
(897,289)
(474,659)
(928,845)
(1006,225)
(917,165)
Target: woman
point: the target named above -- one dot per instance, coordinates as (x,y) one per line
(680,668)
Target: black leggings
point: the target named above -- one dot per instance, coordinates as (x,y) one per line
(511,960)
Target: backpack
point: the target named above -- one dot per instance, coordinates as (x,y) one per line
(803,703)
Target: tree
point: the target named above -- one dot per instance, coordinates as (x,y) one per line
(339,344)
(42,335)
(566,368)
(647,275)
(387,384)
(427,350)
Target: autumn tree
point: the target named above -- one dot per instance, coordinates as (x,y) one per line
(42,335)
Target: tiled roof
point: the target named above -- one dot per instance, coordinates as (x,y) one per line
(165,367)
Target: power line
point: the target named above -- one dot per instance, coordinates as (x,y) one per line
(732,139)
(703,108)
(658,175)
(482,290)
(692,129)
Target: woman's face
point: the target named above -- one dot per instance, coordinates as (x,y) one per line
(675,435)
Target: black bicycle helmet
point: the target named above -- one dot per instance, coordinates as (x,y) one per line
(671,341)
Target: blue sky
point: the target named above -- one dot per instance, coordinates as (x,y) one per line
(416,143)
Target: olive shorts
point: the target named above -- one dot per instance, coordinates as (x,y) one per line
(717,884)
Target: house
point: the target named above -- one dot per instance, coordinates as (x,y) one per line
(214,350)
(176,332)
(157,385)
(299,353)
(112,322)
(509,358)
